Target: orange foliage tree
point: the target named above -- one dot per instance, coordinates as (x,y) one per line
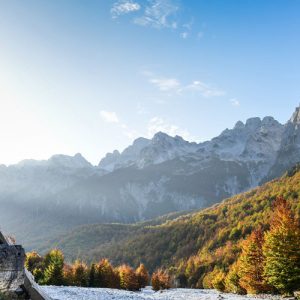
(251,264)
(160,280)
(142,275)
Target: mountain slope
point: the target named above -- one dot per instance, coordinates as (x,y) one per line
(211,235)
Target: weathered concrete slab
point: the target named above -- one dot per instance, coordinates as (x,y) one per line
(33,288)
(15,280)
(12,258)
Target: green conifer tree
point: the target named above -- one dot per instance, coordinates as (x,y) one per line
(91,276)
(54,263)
(282,250)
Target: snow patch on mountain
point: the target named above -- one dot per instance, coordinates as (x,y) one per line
(144,152)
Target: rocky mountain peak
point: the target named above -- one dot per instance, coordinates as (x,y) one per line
(269,121)
(239,125)
(253,123)
(161,137)
(141,141)
(295,119)
(76,161)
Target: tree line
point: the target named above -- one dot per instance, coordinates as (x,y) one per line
(268,262)
(51,269)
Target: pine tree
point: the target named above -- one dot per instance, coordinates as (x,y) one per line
(128,278)
(282,249)
(54,263)
(142,275)
(105,275)
(251,264)
(80,273)
(68,274)
(155,281)
(92,276)
(160,280)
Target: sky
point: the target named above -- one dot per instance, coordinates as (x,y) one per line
(91,76)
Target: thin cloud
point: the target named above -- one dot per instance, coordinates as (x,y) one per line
(204,89)
(109,116)
(171,84)
(165,84)
(184,35)
(123,7)
(157,124)
(234,102)
(159,14)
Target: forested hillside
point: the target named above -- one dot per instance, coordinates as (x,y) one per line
(190,246)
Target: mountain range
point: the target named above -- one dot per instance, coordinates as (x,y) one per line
(150,178)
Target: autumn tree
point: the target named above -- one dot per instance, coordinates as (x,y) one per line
(251,264)
(68,275)
(160,280)
(128,278)
(34,264)
(33,260)
(105,275)
(218,282)
(232,280)
(80,273)
(282,249)
(142,275)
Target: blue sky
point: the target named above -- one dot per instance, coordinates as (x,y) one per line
(90,76)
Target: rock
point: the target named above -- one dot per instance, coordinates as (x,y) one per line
(12,258)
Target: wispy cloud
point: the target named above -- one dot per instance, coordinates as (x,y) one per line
(123,7)
(112,118)
(153,13)
(109,116)
(234,102)
(166,84)
(159,14)
(184,35)
(157,124)
(204,89)
(173,85)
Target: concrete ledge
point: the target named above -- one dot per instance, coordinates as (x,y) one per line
(33,289)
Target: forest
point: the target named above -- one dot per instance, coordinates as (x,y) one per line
(236,246)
